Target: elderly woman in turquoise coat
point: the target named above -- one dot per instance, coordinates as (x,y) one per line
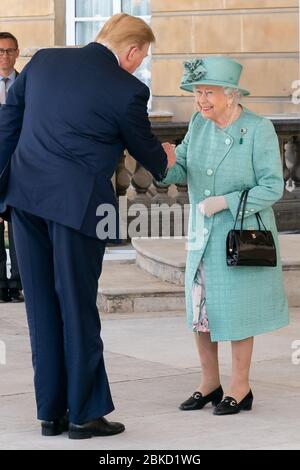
(226,150)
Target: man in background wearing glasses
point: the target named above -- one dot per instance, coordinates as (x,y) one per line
(10,289)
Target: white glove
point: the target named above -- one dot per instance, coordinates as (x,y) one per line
(212,205)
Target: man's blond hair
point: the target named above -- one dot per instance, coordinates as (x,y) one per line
(122,30)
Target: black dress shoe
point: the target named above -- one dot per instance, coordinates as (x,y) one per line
(197,401)
(229,406)
(4,295)
(98,427)
(16,295)
(56,427)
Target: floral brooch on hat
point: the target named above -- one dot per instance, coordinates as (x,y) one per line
(193,71)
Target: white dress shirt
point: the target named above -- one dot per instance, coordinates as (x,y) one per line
(5,85)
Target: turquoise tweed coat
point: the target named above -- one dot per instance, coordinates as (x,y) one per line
(241,301)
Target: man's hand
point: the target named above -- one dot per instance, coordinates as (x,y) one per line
(1,221)
(212,205)
(170,151)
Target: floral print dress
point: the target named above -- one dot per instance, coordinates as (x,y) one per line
(200,319)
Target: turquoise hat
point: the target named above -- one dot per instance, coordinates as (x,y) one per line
(218,71)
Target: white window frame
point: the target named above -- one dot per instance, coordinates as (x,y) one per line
(71,19)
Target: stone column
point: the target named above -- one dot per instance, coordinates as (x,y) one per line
(123,177)
(141,181)
(292,161)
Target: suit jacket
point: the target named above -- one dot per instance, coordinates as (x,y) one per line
(68,118)
(4,174)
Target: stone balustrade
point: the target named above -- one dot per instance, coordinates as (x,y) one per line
(136,182)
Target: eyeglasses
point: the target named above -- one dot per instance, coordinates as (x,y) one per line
(10,51)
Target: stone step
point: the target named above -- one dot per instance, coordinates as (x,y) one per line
(165,259)
(126,288)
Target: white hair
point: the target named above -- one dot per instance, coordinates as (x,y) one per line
(235,92)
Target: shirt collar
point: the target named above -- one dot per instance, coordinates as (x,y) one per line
(11,77)
(107,47)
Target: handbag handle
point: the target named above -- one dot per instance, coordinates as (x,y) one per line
(242,208)
(243,196)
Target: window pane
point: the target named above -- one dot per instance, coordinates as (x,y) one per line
(86,31)
(136,7)
(143,73)
(91,8)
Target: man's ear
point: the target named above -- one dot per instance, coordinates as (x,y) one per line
(131,52)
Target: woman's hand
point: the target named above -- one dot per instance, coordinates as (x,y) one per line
(170,151)
(212,205)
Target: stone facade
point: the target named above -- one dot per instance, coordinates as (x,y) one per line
(36,23)
(261,34)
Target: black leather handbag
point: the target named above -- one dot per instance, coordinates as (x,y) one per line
(250,247)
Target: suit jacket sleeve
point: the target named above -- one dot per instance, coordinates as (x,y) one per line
(11,118)
(267,167)
(138,137)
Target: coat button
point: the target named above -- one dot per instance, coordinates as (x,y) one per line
(209,172)
(228,141)
(205,231)
(207,192)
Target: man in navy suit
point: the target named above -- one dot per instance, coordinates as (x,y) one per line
(67,120)
(10,289)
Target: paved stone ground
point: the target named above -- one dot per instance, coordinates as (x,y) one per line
(153,366)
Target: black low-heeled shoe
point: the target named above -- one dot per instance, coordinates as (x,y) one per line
(97,427)
(56,427)
(197,401)
(229,406)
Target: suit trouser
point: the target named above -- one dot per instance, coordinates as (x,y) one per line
(14,282)
(60,268)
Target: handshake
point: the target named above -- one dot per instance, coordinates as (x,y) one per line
(170,151)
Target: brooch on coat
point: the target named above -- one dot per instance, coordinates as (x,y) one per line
(243,131)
